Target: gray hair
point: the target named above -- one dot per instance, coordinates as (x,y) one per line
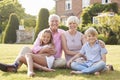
(72,19)
(54,16)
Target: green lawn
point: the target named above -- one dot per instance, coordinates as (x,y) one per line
(8,53)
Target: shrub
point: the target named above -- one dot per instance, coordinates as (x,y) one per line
(112,40)
(102,37)
(10,30)
(93,10)
(63,27)
(42,21)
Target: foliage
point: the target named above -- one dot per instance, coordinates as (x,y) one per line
(0,29)
(96,8)
(113,23)
(112,40)
(52,11)
(42,21)
(63,27)
(6,8)
(86,17)
(102,37)
(10,31)
(29,21)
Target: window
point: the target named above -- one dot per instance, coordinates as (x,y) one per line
(106,1)
(68,4)
(85,3)
(95,20)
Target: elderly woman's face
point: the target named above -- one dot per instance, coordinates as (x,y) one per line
(54,23)
(73,26)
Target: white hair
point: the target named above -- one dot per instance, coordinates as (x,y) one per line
(54,16)
(72,19)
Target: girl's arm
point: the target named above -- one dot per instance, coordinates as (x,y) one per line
(50,50)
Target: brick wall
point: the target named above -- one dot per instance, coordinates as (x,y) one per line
(60,7)
(76,7)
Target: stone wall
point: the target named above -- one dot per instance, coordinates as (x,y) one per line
(24,36)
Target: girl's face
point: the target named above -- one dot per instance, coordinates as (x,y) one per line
(91,38)
(46,38)
(73,26)
(54,24)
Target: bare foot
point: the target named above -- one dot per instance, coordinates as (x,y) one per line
(97,73)
(31,74)
(75,72)
(47,69)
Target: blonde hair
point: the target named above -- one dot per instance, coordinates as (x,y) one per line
(91,31)
(53,16)
(72,19)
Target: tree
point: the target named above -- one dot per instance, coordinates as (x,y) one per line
(29,21)
(7,7)
(42,21)
(52,11)
(10,30)
(93,10)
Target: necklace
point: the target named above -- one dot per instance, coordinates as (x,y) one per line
(73,40)
(72,36)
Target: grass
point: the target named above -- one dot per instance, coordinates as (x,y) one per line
(8,53)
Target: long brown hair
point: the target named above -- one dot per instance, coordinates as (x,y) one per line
(51,39)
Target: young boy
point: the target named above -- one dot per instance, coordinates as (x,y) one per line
(94,53)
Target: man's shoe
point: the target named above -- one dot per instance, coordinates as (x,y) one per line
(8,68)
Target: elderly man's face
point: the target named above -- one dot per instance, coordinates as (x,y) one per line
(54,23)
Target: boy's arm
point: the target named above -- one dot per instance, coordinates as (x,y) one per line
(103,53)
(104,57)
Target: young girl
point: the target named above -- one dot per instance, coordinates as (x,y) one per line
(94,53)
(45,58)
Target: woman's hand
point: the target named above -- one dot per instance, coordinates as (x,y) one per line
(69,63)
(102,44)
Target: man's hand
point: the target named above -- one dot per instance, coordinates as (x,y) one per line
(47,50)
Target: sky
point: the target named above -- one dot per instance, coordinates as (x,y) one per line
(33,6)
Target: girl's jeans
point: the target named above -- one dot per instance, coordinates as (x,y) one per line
(88,69)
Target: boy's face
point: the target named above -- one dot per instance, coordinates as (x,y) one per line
(46,38)
(91,38)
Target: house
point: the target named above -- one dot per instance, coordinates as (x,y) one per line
(66,8)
